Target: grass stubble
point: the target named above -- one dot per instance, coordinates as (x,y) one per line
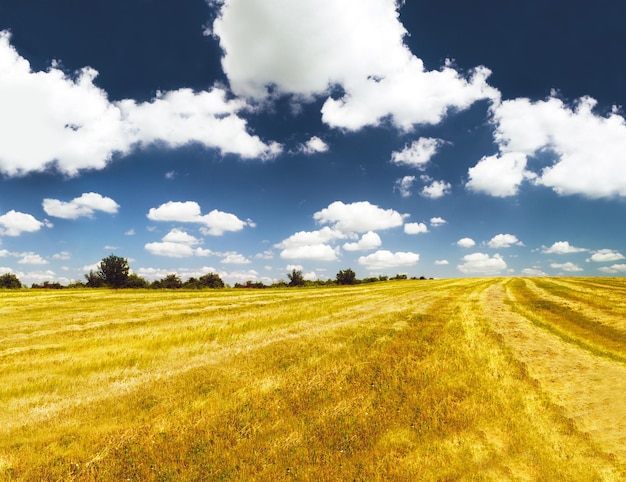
(414,380)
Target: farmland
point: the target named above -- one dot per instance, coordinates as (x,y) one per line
(468,379)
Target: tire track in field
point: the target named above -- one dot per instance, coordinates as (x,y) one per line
(590,389)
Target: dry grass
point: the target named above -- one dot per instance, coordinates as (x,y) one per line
(392,381)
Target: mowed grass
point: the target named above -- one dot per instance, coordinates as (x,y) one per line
(412,380)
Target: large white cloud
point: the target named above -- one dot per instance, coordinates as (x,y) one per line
(415,228)
(384,259)
(606,255)
(308,47)
(15,223)
(583,150)
(481,263)
(215,223)
(77,127)
(311,252)
(85,205)
(358,217)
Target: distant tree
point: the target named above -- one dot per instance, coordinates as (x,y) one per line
(136,281)
(170,282)
(346,277)
(47,285)
(114,271)
(399,276)
(10,281)
(211,280)
(94,280)
(296,278)
(251,284)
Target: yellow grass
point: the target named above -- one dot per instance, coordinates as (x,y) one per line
(482,379)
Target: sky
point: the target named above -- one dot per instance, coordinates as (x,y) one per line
(253,137)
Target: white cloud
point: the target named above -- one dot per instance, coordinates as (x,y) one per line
(314,145)
(63,255)
(418,154)
(569,267)
(533,272)
(85,205)
(31,258)
(312,252)
(606,255)
(437,221)
(179,236)
(215,223)
(306,238)
(291,267)
(441,262)
(235,258)
(481,263)
(306,47)
(562,247)
(499,175)
(613,269)
(170,249)
(404,185)
(130,232)
(415,228)
(77,127)
(436,189)
(384,259)
(504,241)
(15,223)
(369,240)
(358,217)
(588,149)
(466,243)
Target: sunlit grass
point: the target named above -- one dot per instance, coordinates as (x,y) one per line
(388,381)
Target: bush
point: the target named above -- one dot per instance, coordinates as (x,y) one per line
(10,281)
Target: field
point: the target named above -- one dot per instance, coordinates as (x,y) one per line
(470,379)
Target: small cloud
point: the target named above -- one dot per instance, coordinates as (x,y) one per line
(481,263)
(130,232)
(437,221)
(441,262)
(504,241)
(569,267)
(384,259)
(562,247)
(236,258)
(415,228)
(606,255)
(533,272)
(32,258)
(170,175)
(418,154)
(63,255)
(613,269)
(369,240)
(436,189)
(466,243)
(403,185)
(84,206)
(313,146)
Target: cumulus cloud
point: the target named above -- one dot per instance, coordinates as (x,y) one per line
(177,244)
(466,243)
(481,263)
(15,223)
(441,262)
(311,252)
(305,48)
(77,127)
(384,259)
(404,185)
(179,236)
(85,205)
(562,247)
(605,256)
(436,189)
(358,217)
(31,258)
(415,228)
(533,272)
(569,267)
(235,258)
(504,241)
(613,269)
(418,154)
(314,145)
(582,152)
(499,175)
(369,240)
(437,221)
(215,223)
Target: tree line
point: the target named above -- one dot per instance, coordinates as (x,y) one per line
(114,272)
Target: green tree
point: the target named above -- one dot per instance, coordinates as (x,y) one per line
(171,281)
(295,278)
(346,277)
(211,280)
(114,271)
(136,281)
(10,281)
(94,280)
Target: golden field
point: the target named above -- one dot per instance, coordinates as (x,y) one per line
(470,379)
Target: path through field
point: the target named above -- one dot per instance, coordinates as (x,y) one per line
(471,379)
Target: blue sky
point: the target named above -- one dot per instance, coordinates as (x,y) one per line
(251,137)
